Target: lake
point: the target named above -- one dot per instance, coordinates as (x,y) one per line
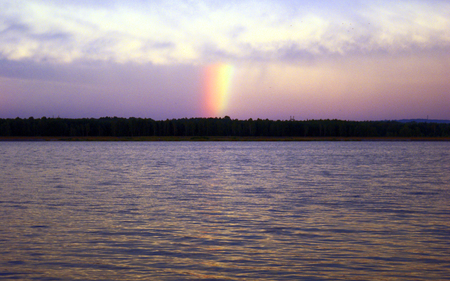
(225,210)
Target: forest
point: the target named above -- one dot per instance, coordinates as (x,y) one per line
(227,127)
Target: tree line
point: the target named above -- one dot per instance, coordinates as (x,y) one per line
(136,127)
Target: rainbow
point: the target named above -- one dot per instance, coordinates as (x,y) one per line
(216,88)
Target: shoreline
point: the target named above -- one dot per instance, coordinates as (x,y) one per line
(222,138)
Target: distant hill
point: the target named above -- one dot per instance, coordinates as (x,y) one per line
(424,121)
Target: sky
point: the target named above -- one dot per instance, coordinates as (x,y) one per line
(348,60)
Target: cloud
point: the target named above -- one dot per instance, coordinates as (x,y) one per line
(168,32)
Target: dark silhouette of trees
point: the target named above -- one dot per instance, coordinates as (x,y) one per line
(137,127)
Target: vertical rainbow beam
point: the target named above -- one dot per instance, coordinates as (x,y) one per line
(217,88)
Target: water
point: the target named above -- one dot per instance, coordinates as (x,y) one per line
(225,210)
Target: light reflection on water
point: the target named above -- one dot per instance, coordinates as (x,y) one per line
(276,211)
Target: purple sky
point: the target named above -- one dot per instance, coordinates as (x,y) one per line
(351,60)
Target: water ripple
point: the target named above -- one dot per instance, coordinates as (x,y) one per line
(224,211)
